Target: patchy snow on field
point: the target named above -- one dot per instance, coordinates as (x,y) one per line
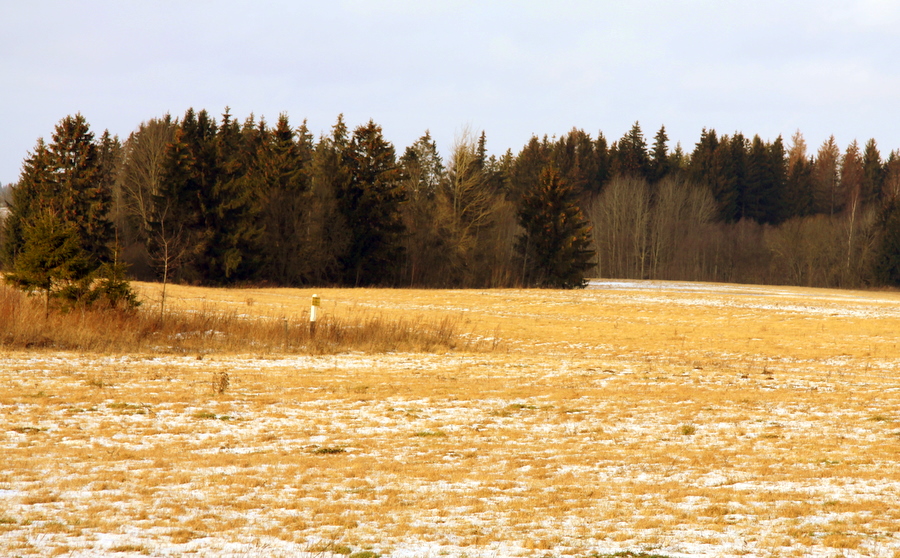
(754,446)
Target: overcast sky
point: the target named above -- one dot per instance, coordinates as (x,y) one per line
(512,69)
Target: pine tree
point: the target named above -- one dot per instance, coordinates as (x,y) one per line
(172,225)
(555,249)
(852,175)
(604,164)
(574,156)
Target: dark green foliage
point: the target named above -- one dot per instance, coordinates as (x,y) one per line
(632,158)
(852,179)
(660,165)
(161,194)
(873,173)
(174,227)
(51,260)
(887,262)
(59,238)
(81,183)
(284,168)
(230,207)
(422,174)
(575,155)
(370,204)
(747,179)
(112,287)
(555,247)
(732,163)
(765,183)
(327,234)
(524,176)
(604,164)
(799,195)
(34,184)
(720,166)
(583,163)
(230,203)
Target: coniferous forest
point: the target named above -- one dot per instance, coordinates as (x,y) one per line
(218,201)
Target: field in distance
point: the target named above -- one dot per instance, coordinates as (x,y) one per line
(678,419)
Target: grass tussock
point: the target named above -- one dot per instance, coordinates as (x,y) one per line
(24,325)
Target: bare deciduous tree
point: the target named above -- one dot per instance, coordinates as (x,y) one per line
(148,186)
(466,209)
(620,217)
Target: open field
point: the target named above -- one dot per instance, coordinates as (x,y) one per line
(672,418)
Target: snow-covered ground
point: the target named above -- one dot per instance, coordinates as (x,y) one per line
(761,447)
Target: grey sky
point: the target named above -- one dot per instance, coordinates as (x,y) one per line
(512,69)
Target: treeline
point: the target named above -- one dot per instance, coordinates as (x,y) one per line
(197,200)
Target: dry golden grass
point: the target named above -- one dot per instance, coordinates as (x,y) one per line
(725,421)
(207,327)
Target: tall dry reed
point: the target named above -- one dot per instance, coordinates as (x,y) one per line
(23,325)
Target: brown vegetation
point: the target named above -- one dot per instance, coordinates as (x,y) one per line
(688,419)
(207,328)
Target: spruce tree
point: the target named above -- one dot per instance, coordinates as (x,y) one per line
(59,236)
(574,156)
(370,204)
(604,165)
(554,250)
(732,163)
(51,260)
(826,179)
(284,165)
(230,201)
(173,229)
(659,156)
(799,191)
(632,158)
(873,173)
(887,259)
(328,235)
(766,178)
(422,174)
(712,165)
(526,169)
(82,189)
(34,184)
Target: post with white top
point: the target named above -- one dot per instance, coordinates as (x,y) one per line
(314,314)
